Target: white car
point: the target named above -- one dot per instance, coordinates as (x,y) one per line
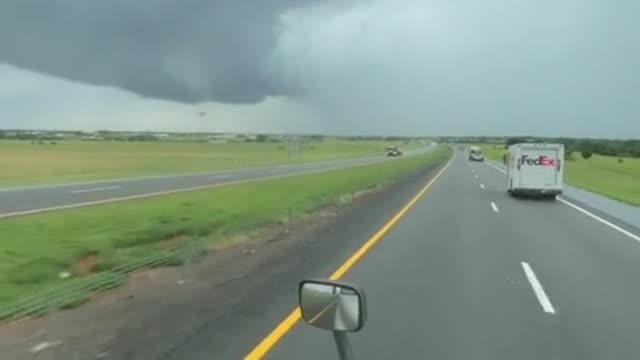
(475,154)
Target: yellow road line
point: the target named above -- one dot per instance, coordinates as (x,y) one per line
(278,333)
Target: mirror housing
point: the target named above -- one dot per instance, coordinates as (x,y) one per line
(332,305)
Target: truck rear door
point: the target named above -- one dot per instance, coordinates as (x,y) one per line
(540,167)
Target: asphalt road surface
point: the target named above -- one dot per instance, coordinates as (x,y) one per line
(35,199)
(470,273)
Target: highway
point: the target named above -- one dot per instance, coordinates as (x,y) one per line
(35,199)
(453,268)
(470,273)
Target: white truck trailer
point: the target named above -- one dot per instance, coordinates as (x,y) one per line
(535,169)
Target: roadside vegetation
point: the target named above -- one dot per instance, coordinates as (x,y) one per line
(615,177)
(54,161)
(90,241)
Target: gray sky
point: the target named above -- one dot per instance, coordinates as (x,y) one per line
(432,67)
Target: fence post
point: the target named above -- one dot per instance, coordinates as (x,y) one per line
(188,254)
(289,220)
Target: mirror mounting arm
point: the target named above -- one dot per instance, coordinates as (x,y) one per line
(343,345)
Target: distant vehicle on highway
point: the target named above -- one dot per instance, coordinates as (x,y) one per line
(393,151)
(535,169)
(475,154)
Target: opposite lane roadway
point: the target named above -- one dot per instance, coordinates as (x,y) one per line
(470,273)
(35,199)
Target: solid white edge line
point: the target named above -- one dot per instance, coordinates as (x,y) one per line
(599,219)
(494,206)
(329,163)
(588,213)
(166,192)
(340,165)
(543,299)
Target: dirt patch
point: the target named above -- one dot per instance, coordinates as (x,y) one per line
(86,265)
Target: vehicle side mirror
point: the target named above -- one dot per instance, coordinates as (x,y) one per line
(332,305)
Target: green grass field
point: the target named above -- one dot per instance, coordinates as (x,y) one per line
(23,163)
(600,174)
(35,249)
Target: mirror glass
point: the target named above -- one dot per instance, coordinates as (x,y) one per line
(331,306)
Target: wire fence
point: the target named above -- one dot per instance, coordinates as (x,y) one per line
(79,290)
(53,333)
(76,291)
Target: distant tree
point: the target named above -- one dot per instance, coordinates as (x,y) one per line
(515,140)
(2,134)
(142,137)
(586,154)
(262,138)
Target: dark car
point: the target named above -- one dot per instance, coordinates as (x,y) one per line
(394,152)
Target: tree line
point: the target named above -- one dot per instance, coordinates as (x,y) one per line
(587,147)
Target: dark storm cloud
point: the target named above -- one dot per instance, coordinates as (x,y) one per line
(542,67)
(187,50)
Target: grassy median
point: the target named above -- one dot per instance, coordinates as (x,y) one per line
(36,249)
(613,177)
(69,161)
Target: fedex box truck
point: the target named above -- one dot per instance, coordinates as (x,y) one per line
(535,169)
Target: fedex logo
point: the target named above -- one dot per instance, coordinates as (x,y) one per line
(542,160)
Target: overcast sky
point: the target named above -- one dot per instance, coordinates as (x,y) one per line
(432,67)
